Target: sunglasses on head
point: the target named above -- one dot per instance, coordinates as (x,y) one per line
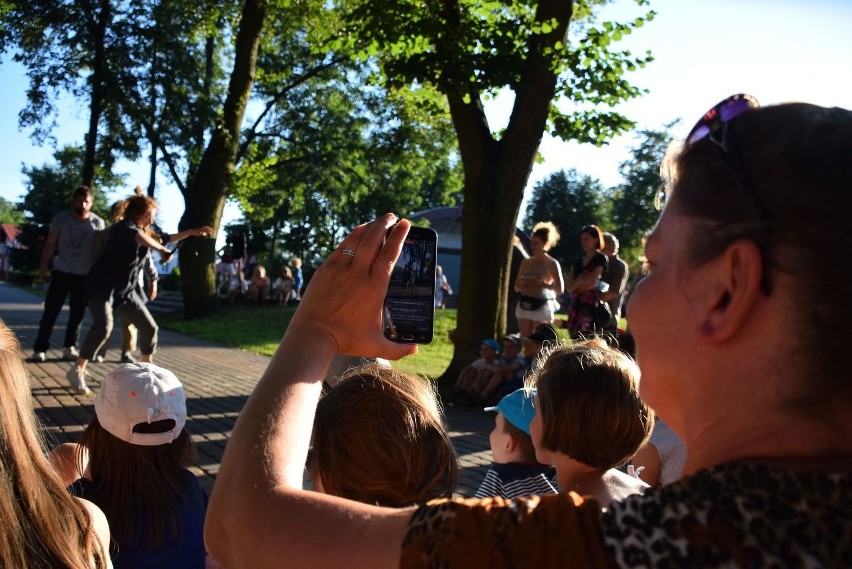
(715,125)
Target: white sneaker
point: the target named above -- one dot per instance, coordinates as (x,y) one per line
(70,354)
(77,380)
(38,357)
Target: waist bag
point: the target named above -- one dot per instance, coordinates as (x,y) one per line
(531,302)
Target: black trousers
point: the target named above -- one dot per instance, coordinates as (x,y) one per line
(62,286)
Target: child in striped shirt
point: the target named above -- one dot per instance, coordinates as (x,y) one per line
(515,472)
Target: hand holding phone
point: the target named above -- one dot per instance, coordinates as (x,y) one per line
(408,313)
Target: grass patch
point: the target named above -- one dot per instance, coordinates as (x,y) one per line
(432,359)
(260,328)
(253,328)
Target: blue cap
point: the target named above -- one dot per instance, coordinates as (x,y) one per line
(517,408)
(492,344)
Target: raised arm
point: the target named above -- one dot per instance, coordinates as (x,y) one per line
(202,231)
(143,238)
(259,516)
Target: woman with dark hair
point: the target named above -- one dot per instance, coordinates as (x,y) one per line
(131,462)
(539,281)
(113,283)
(584,283)
(740,340)
(43,526)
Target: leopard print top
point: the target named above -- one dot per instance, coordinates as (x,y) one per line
(730,516)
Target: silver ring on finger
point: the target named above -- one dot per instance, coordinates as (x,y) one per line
(349,252)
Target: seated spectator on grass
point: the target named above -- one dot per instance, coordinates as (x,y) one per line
(544,336)
(489,351)
(589,419)
(515,471)
(259,285)
(283,286)
(225,271)
(507,367)
(131,462)
(43,526)
(379,438)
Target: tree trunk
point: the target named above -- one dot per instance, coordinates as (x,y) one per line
(496,173)
(206,191)
(96,79)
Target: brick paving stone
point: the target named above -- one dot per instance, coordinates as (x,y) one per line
(217,379)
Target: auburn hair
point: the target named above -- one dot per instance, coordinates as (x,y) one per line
(588,397)
(379,438)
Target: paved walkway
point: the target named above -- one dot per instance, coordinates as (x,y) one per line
(217,379)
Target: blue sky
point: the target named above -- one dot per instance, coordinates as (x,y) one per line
(705,50)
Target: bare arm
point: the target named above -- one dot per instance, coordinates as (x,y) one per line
(558,284)
(100,527)
(648,457)
(71,461)
(521,281)
(47,253)
(588,281)
(571,285)
(259,516)
(202,231)
(143,238)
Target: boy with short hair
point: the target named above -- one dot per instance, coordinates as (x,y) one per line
(515,472)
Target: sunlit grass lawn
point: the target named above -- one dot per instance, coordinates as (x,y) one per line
(259,329)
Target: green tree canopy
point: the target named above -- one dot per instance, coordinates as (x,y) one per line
(570,200)
(471,49)
(633,206)
(50,190)
(9,213)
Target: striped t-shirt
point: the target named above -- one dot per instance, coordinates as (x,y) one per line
(516,480)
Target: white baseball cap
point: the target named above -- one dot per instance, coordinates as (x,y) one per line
(141,393)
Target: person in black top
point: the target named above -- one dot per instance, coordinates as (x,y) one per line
(584,283)
(112,284)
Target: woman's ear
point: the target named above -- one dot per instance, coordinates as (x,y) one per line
(732,287)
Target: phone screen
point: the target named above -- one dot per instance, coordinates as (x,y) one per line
(409,308)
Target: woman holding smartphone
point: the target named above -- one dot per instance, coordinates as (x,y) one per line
(730,267)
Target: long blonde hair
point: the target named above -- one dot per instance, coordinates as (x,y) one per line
(43,525)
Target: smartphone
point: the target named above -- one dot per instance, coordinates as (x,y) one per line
(408,315)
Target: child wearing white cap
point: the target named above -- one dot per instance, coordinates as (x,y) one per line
(131,462)
(515,472)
